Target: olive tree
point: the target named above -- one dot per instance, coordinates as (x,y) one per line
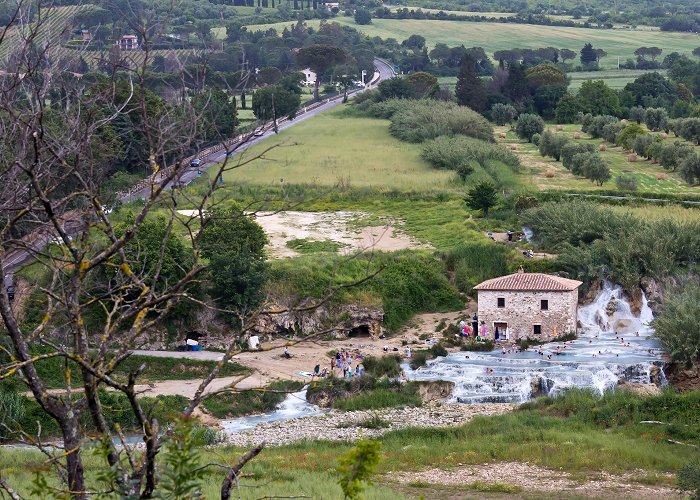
(503,113)
(529,125)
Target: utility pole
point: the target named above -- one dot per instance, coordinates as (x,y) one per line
(274,115)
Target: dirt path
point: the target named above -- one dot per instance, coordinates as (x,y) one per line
(532,478)
(269,365)
(503,238)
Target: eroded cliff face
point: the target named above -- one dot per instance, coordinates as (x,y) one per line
(337,321)
(681,378)
(347,320)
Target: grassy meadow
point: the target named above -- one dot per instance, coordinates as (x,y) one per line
(613,78)
(332,149)
(497,36)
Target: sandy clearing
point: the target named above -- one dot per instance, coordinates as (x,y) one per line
(282,227)
(186,388)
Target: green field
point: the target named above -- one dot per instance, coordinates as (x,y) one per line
(332,149)
(456,12)
(496,36)
(56,22)
(613,78)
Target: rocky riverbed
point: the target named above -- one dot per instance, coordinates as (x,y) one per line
(349,426)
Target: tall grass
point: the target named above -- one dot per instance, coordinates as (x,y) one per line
(53,370)
(593,241)
(472,263)
(407,282)
(680,413)
(380,366)
(451,152)
(432,119)
(31,418)
(379,398)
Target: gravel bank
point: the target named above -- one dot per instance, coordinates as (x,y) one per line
(532,477)
(347,426)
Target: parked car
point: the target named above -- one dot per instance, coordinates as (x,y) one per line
(196,163)
(259,133)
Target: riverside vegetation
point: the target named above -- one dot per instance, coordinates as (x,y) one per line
(607,431)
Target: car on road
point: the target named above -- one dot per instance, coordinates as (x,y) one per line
(259,133)
(196,163)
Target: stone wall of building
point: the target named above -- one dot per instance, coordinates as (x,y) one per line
(523,310)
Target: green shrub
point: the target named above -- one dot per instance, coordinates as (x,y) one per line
(571,149)
(381,366)
(536,139)
(482,346)
(418,121)
(528,125)
(689,478)
(677,326)
(357,467)
(253,401)
(438,350)
(628,135)
(419,358)
(503,113)
(409,282)
(374,422)
(626,182)
(472,263)
(551,144)
(454,152)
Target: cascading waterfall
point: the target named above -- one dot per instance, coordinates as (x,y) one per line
(293,406)
(613,345)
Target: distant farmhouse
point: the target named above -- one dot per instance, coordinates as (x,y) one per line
(309,77)
(522,305)
(128,42)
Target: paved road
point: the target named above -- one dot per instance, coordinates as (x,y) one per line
(385,72)
(18,258)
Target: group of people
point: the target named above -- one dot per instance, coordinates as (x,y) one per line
(470,331)
(344,362)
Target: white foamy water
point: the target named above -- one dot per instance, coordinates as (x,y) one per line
(293,406)
(613,345)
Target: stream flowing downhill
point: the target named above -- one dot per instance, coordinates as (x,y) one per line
(293,406)
(598,359)
(613,345)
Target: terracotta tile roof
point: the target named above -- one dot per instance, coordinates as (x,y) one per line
(529,282)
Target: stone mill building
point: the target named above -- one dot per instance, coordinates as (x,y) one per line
(522,305)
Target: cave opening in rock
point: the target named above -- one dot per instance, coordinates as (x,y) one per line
(359,331)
